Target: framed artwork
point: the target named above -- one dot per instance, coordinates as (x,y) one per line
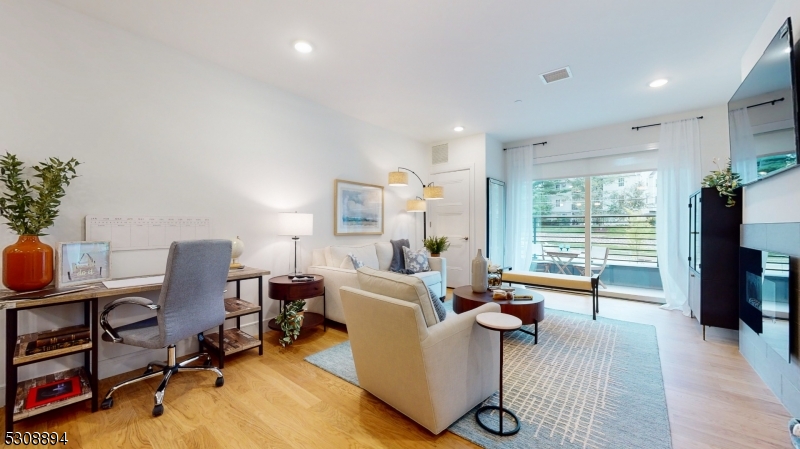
(357,208)
(80,263)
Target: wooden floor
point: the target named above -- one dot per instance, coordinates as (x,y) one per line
(715,399)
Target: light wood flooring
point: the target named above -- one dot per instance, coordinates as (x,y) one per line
(715,398)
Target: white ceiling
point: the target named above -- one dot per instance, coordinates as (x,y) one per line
(421,67)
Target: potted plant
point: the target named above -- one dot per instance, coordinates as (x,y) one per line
(29,208)
(436,245)
(291,321)
(726,182)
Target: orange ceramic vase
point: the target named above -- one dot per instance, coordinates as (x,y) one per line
(27,264)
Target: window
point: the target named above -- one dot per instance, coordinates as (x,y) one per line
(559,203)
(621,182)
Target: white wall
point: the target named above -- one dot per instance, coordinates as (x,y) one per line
(160,132)
(618,148)
(766,201)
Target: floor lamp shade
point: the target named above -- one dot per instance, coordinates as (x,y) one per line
(416,206)
(294,224)
(398,178)
(433,192)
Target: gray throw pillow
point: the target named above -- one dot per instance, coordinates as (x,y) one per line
(356,263)
(398,258)
(438,305)
(416,261)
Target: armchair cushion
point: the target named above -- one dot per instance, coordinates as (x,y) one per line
(398,286)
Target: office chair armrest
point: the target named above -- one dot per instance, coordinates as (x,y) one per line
(144,302)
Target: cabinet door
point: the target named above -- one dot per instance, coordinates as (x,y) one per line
(695,301)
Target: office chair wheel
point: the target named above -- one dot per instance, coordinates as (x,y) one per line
(107,403)
(220,382)
(158,410)
(207,363)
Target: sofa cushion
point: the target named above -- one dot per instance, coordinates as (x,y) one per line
(384,251)
(398,286)
(337,254)
(416,260)
(398,256)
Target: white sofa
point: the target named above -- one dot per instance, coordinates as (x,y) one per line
(333,263)
(432,374)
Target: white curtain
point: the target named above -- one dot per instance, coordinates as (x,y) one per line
(519,207)
(678,177)
(743,145)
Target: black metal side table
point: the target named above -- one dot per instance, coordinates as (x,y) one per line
(502,323)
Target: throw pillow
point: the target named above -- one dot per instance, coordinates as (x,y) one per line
(416,261)
(438,305)
(356,263)
(398,257)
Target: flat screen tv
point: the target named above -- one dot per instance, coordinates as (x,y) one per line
(762,114)
(765,297)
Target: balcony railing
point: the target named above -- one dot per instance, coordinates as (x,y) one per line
(630,239)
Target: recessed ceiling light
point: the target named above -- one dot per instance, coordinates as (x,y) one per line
(517,101)
(458,129)
(303,47)
(659,82)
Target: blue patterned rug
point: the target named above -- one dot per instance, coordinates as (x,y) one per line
(587,384)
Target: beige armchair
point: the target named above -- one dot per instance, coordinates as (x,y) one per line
(433,375)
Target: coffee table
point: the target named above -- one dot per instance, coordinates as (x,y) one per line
(529,311)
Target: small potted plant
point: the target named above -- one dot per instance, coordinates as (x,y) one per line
(29,208)
(291,321)
(436,245)
(726,182)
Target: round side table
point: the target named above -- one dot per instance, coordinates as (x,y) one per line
(281,288)
(502,323)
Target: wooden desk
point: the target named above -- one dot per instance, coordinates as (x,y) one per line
(15,353)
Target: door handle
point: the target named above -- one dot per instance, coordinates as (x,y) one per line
(465,238)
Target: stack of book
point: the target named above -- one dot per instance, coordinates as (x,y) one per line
(58,339)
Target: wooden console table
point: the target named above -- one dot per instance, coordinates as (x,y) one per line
(15,343)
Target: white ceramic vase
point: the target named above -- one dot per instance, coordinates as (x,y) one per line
(480,273)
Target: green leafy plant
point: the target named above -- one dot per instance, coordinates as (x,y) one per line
(436,245)
(290,322)
(30,208)
(726,182)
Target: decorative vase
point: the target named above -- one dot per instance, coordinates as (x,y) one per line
(480,274)
(27,264)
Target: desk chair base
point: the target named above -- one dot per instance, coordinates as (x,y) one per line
(165,369)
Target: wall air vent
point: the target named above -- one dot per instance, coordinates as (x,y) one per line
(439,154)
(556,75)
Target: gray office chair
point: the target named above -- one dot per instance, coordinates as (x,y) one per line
(191,302)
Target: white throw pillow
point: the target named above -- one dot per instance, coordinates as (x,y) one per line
(365,253)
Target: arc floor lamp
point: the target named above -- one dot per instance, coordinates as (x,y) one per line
(430,192)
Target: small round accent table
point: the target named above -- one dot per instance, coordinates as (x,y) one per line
(501,322)
(527,310)
(281,288)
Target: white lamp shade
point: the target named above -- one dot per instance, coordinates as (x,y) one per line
(433,192)
(294,224)
(416,206)
(398,178)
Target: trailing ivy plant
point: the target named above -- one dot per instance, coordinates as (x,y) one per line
(290,321)
(436,245)
(726,182)
(29,207)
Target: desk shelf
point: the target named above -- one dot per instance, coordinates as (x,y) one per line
(20,412)
(234,340)
(20,358)
(235,307)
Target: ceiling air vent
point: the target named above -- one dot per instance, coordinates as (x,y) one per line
(439,154)
(556,75)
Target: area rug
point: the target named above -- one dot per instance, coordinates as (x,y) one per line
(587,384)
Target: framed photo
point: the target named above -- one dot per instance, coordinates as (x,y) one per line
(80,263)
(357,208)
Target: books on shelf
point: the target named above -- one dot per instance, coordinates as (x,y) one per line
(61,338)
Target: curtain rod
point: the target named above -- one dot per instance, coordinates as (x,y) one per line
(767,102)
(636,128)
(533,145)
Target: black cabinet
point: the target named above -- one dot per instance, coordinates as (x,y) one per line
(714,258)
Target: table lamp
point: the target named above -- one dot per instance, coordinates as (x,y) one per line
(295,225)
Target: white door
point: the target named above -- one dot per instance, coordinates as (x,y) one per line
(451,217)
